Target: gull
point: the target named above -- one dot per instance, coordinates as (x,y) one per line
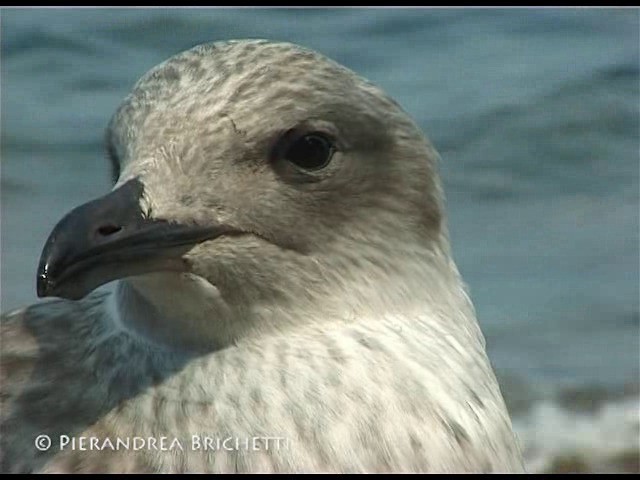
(283,296)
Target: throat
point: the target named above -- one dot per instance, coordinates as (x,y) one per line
(181,311)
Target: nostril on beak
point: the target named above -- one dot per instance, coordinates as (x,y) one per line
(107,230)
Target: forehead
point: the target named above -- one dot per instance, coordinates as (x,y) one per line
(234,71)
(237,81)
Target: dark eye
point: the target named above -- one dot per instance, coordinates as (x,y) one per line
(312,151)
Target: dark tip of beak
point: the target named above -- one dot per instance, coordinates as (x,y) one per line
(41,285)
(54,255)
(85,231)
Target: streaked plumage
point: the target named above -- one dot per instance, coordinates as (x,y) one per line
(335,319)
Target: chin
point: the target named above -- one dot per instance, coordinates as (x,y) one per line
(173,291)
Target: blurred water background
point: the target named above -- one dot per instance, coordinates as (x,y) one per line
(535,113)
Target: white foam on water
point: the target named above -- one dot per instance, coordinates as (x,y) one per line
(549,431)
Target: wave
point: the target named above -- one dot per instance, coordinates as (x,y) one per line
(558,439)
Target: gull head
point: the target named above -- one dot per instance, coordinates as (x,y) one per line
(256,179)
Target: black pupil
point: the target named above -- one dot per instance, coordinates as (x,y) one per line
(310,152)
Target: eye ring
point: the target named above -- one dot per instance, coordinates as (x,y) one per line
(310,152)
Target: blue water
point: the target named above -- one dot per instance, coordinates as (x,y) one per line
(535,114)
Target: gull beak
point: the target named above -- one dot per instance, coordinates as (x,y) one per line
(111,238)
